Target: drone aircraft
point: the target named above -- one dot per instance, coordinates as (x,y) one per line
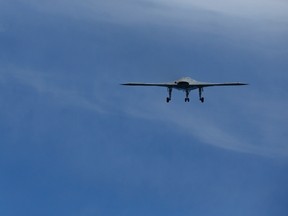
(185,84)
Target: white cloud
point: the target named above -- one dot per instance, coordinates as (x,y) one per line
(43,84)
(157,10)
(258,127)
(269,121)
(245,8)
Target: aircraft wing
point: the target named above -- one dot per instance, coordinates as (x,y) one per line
(185,84)
(151,84)
(202,84)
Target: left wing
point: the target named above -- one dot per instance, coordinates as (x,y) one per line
(151,84)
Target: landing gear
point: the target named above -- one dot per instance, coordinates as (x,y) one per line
(200,95)
(168,99)
(187,96)
(187,91)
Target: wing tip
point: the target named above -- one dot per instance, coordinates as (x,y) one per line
(129,84)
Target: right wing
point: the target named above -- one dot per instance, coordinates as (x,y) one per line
(202,84)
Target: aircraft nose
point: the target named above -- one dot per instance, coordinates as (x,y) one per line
(183,84)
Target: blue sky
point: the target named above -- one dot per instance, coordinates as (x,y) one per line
(75,142)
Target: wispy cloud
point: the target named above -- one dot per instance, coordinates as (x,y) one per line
(268,123)
(251,20)
(43,84)
(252,130)
(267,9)
(156,10)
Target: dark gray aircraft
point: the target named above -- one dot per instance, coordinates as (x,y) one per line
(185,84)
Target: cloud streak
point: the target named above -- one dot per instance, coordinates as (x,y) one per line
(143,11)
(269,123)
(264,133)
(254,20)
(43,85)
(253,9)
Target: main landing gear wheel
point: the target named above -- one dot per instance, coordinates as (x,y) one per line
(200,95)
(169,96)
(187,99)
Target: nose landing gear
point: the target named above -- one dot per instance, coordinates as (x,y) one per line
(187,96)
(187,99)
